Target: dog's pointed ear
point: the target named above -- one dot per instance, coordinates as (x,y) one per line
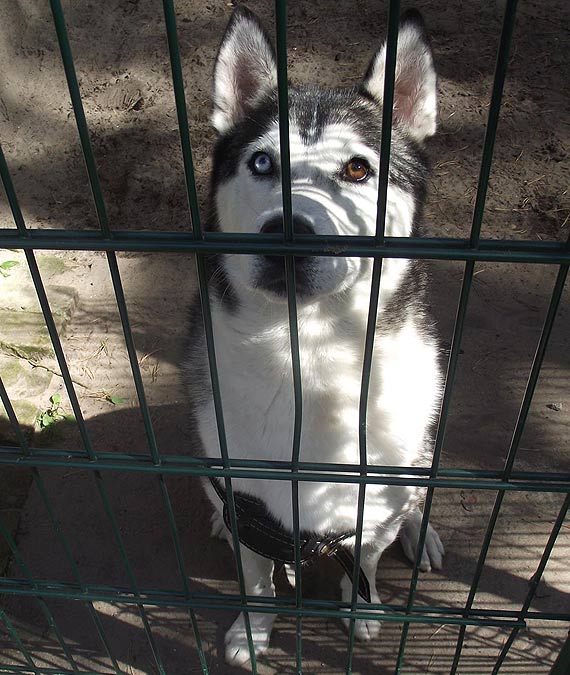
(245,68)
(415,104)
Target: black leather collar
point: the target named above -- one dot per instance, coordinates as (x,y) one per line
(260,532)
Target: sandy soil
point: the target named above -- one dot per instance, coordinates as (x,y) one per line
(122,62)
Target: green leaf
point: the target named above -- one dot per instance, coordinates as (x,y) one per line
(115,400)
(55,399)
(46,419)
(8,264)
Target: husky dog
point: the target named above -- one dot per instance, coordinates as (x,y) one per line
(334,151)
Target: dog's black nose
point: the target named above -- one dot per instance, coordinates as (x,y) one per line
(272,275)
(275,225)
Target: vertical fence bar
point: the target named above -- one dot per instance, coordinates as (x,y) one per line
(298,411)
(438,446)
(387,113)
(17,640)
(44,304)
(42,299)
(289,261)
(151,438)
(562,664)
(493,119)
(99,481)
(383,176)
(477,220)
(12,418)
(182,115)
(513,449)
(66,376)
(20,436)
(42,603)
(11,196)
(215,381)
(180,101)
(71,77)
(121,303)
(534,581)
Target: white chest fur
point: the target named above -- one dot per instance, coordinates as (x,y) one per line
(254,361)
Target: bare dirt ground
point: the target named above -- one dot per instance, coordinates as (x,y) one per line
(122,62)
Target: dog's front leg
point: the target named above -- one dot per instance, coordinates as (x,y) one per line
(366,629)
(258,573)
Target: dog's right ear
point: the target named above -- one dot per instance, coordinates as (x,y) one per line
(245,68)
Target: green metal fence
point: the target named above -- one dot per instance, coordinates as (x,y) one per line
(161,466)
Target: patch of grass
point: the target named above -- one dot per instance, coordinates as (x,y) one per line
(6,266)
(53,413)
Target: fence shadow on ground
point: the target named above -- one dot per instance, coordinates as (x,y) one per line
(517,545)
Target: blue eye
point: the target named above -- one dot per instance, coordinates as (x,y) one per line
(261,164)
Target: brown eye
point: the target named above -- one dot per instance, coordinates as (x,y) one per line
(356,170)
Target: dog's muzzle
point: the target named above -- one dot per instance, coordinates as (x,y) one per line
(272,275)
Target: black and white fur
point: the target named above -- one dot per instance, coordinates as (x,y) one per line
(328,129)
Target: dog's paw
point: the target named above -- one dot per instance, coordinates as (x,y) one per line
(237,647)
(364,629)
(432,555)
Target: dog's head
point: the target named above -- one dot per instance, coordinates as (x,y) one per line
(334,150)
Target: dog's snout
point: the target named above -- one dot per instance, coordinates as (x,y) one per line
(301,225)
(272,273)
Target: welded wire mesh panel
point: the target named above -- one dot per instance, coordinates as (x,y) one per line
(150,607)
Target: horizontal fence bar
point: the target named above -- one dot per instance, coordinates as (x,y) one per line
(254,603)
(425,248)
(235,462)
(48,671)
(559,482)
(176,598)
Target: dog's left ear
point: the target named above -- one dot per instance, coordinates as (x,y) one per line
(245,68)
(415,105)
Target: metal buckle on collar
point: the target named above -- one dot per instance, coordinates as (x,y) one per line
(310,550)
